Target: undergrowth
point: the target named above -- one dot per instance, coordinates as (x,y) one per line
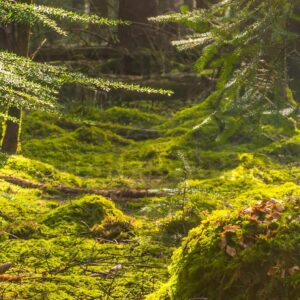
(87,247)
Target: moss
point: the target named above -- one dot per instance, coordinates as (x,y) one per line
(41,129)
(91,135)
(115,228)
(132,117)
(24,229)
(81,214)
(243,252)
(223,163)
(176,226)
(287,150)
(66,264)
(204,134)
(37,171)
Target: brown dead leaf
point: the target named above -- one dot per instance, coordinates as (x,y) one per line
(246,211)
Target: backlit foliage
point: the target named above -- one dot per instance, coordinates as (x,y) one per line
(30,85)
(245,47)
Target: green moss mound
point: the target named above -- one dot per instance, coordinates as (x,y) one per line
(82,214)
(249,254)
(34,170)
(91,135)
(132,117)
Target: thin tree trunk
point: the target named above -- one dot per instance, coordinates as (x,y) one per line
(10,140)
(15,38)
(200,4)
(138,35)
(87,7)
(138,12)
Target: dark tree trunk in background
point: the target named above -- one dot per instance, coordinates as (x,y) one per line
(14,38)
(77,4)
(200,4)
(136,11)
(87,7)
(99,7)
(166,6)
(293,61)
(140,34)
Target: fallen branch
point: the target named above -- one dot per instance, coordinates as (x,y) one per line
(114,194)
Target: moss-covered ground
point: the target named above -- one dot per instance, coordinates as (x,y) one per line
(88,247)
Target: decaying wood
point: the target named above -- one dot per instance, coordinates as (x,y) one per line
(114,194)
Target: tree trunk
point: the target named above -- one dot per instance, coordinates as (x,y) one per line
(87,7)
(166,6)
(200,4)
(137,12)
(140,34)
(14,38)
(100,7)
(12,131)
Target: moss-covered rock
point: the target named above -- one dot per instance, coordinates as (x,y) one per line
(249,254)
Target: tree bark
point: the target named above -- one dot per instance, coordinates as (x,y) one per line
(87,7)
(12,130)
(99,7)
(138,35)
(15,38)
(137,12)
(200,4)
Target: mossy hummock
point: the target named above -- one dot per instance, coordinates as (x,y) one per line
(249,254)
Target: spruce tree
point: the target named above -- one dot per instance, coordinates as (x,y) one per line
(249,51)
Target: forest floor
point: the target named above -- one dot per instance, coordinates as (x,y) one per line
(81,246)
